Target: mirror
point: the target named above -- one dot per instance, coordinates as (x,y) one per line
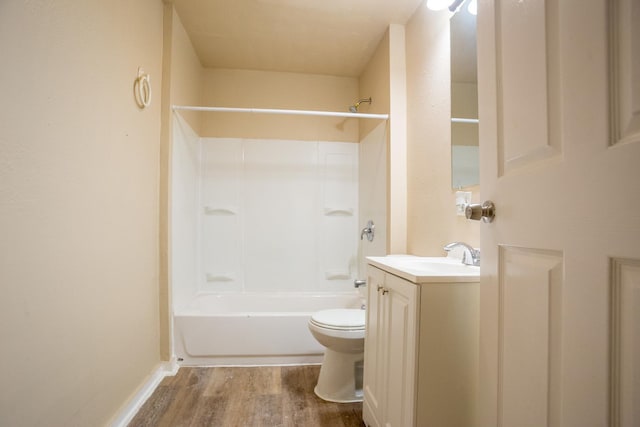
(464,99)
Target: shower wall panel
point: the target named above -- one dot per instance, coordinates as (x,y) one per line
(278,215)
(221,214)
(281,204)
(185,178)
(338,230)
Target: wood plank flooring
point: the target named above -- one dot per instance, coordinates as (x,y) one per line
(269,396)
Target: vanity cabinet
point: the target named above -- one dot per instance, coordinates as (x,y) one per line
(390,349)
(421,352)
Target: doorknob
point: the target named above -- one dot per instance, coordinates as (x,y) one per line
(486,211)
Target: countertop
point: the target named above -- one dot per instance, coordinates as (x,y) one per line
(427,269)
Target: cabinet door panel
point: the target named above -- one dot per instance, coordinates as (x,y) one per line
(373,350)
(401,307)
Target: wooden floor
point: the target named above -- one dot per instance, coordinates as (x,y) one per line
(247,397)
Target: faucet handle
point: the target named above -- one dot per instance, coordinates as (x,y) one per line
(470,255)
(476,257)
(368,231)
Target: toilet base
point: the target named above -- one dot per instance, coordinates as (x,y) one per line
(340,378)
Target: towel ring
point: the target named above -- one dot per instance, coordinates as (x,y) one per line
(143,89)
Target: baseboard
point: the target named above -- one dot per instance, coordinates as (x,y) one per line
(310,359)
(124,417)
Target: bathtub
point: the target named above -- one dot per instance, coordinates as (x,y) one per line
(252,329)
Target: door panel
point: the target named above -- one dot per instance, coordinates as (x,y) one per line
(530,332)
(559,99)
(625,48)
(625,331)
(523,49)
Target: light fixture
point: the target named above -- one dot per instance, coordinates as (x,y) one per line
(455,5)
(473,7)
(452,5)
(438,4)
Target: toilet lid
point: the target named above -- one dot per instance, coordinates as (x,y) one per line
(342,318)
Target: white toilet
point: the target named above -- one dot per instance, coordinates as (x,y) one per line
(341,331)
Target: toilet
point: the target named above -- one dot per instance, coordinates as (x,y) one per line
(341,331)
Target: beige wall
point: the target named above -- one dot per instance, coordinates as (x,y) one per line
(78,208)
(431,202)
(267,89)
(186,73)
(183,81)
(374,82)
(384,80)
(397,141)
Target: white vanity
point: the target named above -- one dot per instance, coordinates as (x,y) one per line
(421,343)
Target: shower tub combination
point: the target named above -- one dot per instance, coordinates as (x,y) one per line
(253,329)
(249,219)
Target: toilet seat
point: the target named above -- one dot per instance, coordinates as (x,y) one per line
(344,319)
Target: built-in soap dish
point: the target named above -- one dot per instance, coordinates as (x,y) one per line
(220,210)
(220,277)
(338,211)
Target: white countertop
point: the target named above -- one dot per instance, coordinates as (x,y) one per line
(427,269)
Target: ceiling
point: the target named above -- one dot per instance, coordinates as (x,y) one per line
(334,37)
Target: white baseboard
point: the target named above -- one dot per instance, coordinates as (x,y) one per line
(124,417)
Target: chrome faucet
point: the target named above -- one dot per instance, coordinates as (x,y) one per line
(470,256)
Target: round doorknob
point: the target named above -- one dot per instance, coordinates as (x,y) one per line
(485,212)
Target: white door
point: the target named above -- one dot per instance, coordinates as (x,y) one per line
(559,95)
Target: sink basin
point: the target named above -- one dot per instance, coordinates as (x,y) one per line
(427,269)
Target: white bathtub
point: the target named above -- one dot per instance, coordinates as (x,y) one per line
(252,329)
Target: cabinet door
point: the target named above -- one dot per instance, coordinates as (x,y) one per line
(400,299)
(374,351)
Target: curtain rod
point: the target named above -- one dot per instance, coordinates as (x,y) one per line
(277,111)
(458,120)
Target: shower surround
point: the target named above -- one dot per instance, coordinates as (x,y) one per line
(264,233)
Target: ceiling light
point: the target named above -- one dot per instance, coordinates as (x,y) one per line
(438,4)
(473,7)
